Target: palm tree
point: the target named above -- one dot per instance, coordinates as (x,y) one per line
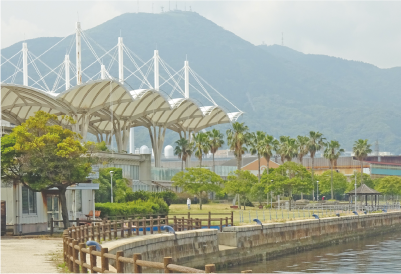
(256,146)
(269,145)
(316,141)
(215,142)
(237,139)
(332,152)
(361,149)
(288,148)
(183,150)
(201,145)
(303,149)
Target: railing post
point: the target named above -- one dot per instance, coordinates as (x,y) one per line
(221,224)
(109,227)
(189,215)
(92,228)
(115,229)
(232,218)
(64,248)
(137,268)
(151,225)
(82,257)
(98,232)
(137,226)
(75,256)
(129,228)
(144,225)
(51,226)
(122,228)
(104,261)
(77,221)
(158,224)
(166,262)
(166,221)
(183,224)
(210,268)
(209,220)
(70,264)
(92,258)
(119,265)
(226,221)
(175,223)
(104,230)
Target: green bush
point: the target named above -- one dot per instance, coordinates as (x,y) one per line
(182,197)
(156,206)
(167,196)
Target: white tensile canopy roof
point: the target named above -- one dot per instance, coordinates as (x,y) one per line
(96,103)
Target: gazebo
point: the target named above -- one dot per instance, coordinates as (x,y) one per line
(364,190)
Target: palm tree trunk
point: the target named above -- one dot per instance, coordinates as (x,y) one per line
(213,164)
(313,182)
(182,164)
(259,168)
(268,164)
(239,162)
(332,191)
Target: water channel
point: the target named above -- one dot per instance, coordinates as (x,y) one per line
(380,254)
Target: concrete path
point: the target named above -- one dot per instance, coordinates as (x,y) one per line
(22,255)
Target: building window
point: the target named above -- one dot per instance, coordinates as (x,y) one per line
(28,201)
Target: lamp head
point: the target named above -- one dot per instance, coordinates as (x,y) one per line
(111,171)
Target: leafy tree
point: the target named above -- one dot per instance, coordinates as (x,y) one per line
(197,180)
(315,144)
(366,179)
(332,152)
(257,146)
(101,146)
(337,181)
(120,185)
(288,179)
(258,192)
(215,141)
(361,149)
(183,150)
(201,144)
(237,139)
(42,154)
(389,185)
(240,182)
(288,148)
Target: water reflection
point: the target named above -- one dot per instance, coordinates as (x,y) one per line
(380,254)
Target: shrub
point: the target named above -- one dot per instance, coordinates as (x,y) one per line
(183,196)
(167,196)
(153,206)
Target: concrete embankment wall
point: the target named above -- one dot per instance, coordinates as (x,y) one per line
(241,244)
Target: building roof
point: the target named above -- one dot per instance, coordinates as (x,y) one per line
(364,190)
(94,103)
(245,161)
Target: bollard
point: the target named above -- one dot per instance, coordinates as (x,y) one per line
(166,262)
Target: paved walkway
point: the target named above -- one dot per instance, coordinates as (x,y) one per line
(21,255)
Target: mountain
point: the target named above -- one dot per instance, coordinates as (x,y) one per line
(281,91)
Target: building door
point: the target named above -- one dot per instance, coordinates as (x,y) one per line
(52,209)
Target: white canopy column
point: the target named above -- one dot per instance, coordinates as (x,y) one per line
(25,63)
(120,60)
(78,52)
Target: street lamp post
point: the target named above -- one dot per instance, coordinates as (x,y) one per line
(111,184)
(271,198)
(355,190)
(317,191)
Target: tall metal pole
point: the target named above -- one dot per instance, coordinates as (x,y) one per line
(102,72)
(186,69)
(355,190)
(131,141)
(317,191)
(120,60)
(78,51)
(156,69)
(67,71)
(25,63)
(111,184)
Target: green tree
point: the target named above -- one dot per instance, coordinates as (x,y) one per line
(201,145)
(215,142)
(332,153)
(237,139)
(183,150)
(257,146)
(328,181)
(288,148)
(315,144)
(389,185)
(303,148)
(269,145)
(258,192)
(361,149)
(240,182)
(120,185)
(197,180)
(42,154)
(366,179)
(288,179)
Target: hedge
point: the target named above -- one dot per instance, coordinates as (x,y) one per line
(167,196)
(151,206)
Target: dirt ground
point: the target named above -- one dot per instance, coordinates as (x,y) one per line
(30,255)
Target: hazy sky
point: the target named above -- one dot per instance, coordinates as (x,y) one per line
(363,31)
